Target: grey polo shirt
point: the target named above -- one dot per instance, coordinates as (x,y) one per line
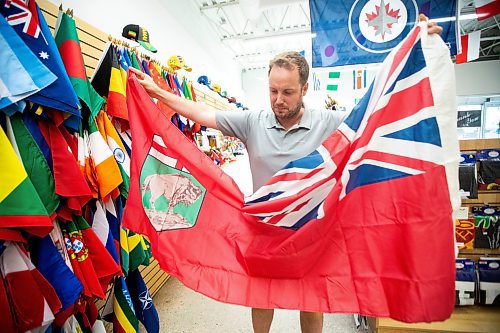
(270,147)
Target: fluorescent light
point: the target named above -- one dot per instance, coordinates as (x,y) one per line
(470,16)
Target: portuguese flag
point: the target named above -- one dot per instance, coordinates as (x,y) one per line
(20,205)
(69,46)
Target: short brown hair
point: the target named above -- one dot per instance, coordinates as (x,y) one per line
(290,60)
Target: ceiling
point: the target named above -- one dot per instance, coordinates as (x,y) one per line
(255,30)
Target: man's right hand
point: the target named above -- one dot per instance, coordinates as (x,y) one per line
(147,82)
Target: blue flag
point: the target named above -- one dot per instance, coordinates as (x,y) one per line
(52,266)
(27,20)
(144,307)
(359,32)
(21,73)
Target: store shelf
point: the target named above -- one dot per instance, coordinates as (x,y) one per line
(465,319)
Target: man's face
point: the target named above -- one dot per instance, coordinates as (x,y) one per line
(285,92)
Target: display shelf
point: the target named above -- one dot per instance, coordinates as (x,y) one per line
(465,319)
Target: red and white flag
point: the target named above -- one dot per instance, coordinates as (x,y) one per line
(33,300)
(470,47)
(486,8)
(345,229)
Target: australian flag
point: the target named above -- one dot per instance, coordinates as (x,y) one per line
(358,32)
(27,20)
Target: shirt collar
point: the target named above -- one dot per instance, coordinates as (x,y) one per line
(305,121)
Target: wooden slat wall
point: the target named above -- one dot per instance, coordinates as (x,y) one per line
(92,42)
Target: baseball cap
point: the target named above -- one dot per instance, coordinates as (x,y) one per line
(177,62)
(139,34)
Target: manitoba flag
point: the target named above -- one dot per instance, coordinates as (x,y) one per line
(345,229)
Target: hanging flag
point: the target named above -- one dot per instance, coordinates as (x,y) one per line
(333,80)
(52,266)
(114,228)
(359,79)
(124,317)
(486,8)
(22,74)
(7,319)
(69,181)
(352,32)
(27,20)
(144,307)
(68,44)
(32,299)
(399,143)
(34,162)
(104,265)
(102,73)
(470,47)
(117,106)
(102,229)
(120,153)
(104,164)
(20,205)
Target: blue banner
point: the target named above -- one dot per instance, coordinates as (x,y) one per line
(351,32)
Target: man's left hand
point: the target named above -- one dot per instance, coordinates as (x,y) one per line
(433,28)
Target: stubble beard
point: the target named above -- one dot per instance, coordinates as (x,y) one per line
(292,112)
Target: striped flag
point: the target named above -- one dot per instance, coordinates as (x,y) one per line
(359,79)
(106,170)
(117,106)
(20,205)
(486,8)
(33,161)
(33,300)
(333,81)
(68,44)
(120,309)
(115,144)
(21,73)
(470,47)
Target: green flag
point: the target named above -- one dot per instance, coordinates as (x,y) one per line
(34,162)
(68,44)
(332,84)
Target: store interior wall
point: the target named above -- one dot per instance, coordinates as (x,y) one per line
(172,32)
(472,79)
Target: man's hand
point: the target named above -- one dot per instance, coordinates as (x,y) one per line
(147,82)
(432,27)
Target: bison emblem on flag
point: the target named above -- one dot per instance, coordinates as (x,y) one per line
(171,197)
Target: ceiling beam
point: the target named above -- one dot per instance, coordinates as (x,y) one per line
(281,32)
(220,4)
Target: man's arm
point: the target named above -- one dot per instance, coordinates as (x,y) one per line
(186,108)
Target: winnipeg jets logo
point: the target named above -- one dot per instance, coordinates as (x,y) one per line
(377,26)
(383,19)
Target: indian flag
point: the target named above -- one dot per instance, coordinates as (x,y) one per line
(106,170)
(20,205)
(115,144)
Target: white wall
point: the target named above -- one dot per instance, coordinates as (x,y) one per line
(478,78)
(175,28)
(255,85)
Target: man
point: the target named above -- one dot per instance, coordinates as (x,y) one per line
(272,139)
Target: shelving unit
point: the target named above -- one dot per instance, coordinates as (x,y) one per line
(470,319)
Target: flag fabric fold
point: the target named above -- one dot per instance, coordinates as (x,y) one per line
(340,230)
(486,8)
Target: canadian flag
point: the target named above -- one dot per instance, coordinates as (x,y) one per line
(486,8)
(470,47)
(33,301)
